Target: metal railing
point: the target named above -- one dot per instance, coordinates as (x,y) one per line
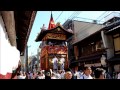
(112,25)
(88,20)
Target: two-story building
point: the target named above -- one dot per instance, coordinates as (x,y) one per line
(111,38)
(93,42)
(86,43)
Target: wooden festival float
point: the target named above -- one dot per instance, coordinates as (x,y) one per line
(53,44)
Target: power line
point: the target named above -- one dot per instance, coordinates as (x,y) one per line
(72,14)
(88,25)
(101,15)
(91,25)
(106,15)
(59,15)
(76,14)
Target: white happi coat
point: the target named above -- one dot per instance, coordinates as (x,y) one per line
(62,61)
(55,63)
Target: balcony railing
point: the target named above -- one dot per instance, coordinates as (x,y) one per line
(113,24)
(93,55)
(112,20)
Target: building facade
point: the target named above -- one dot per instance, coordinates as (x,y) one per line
(111,35)
(83,42)
(92,41)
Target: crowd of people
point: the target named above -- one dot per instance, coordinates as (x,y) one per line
(86,73)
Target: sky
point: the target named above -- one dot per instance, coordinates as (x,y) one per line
(43,17)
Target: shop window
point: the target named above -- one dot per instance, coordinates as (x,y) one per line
(76,52)
(99,45)
(82,50)
(117,44)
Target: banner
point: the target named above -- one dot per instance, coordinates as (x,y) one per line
(55,36)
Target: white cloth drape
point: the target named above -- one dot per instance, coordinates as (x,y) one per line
(10,56)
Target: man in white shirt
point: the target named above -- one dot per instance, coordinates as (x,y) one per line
(58,74)
(61,63)
(62,74)
(87,73)
(76,74)
(55,63)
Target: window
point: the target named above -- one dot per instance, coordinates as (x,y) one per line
(76,51)
(117,43)
(99,45)
(116,38)
(91,48)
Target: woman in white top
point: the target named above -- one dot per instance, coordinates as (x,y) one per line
(41,75)
(87,73)
(55,63)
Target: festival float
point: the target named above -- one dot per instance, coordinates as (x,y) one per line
(53,44)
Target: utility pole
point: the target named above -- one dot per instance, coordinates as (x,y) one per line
(27,58)
(38,59)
